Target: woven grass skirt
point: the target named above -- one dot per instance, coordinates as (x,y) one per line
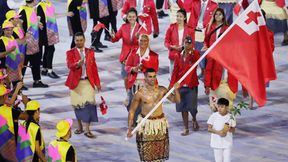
(153,139)
(83,101)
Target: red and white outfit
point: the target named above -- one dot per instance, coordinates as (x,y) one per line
(172,38)
(129,39)
(146,12)
(148,60)
(216,77)
(82,82)
(181,66)
(194,7)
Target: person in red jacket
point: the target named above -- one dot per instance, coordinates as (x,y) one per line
(83,80)
(137,63)
(201,13)
(145,7)
(219,83)
(129,32)
(189,86)
(175,35)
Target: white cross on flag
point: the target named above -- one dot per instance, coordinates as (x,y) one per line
(245,51)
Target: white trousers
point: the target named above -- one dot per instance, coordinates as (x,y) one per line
(222,155)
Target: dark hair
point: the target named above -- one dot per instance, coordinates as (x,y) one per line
(79,34)
(29,1)
(133,10)
(223,101)
(183,12)
(30,118)
(150,70)
(223,13)
(189,39)
(264,14)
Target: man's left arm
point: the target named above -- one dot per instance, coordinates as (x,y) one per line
(176,98)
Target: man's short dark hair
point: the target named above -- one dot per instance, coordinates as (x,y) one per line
(223,101)
(150,70)
(79,34)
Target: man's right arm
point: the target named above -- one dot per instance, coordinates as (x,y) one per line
(134,105)
(71,64)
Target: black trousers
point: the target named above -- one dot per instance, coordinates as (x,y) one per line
(35,61)
(112,19)
(95,36)
(76,27)
(47,58)
(159,4)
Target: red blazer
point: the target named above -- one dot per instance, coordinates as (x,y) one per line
(72,57)
(133,60)
(148,8)
(195,13)
(213,70)
(210,37)
(128,44)
(213,76)
(181,66)
(171,38)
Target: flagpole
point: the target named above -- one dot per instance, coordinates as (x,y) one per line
(183,77)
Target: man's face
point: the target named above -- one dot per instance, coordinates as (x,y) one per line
(79,41)
(187,45)
(143,42)
(151,78)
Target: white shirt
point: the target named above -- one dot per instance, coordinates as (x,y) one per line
(218,121)
(180,36)
(202,13)
(224,74)
(132,31)
(84,73)
(139,6)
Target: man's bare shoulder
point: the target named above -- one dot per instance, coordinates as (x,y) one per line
(162,88)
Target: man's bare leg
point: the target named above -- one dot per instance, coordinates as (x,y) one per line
(88,132)
(185,122)
(79,130)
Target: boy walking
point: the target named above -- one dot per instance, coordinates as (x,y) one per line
(221,126)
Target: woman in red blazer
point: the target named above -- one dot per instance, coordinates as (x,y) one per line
(176,31)
(193,7)
(129,34)
(148,8)
(217,80)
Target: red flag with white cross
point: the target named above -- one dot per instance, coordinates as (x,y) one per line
(245,51)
